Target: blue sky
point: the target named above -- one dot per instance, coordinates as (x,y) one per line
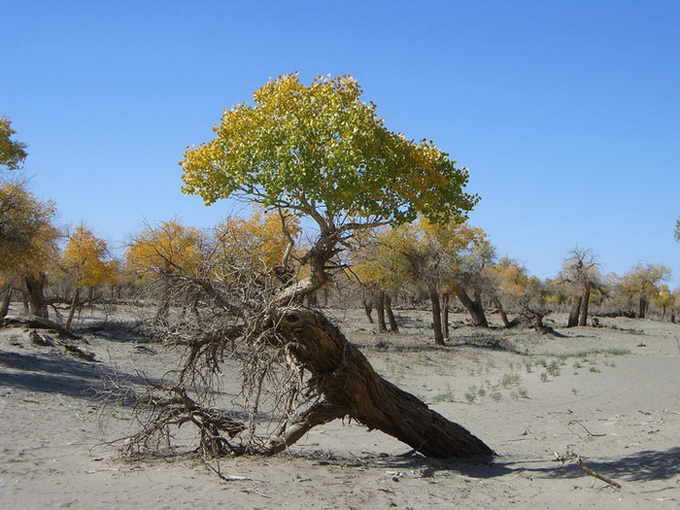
(567,113)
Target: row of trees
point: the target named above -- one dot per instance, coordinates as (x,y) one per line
(451,265)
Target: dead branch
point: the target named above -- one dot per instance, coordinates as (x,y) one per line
(577,422)
(579,462)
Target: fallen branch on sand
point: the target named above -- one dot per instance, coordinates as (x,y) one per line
(39,323)
(591,434)
(579,462)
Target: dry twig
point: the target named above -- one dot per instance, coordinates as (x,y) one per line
(579,462)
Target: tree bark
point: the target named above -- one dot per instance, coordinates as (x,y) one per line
(574,312)
(394,327)
(474,308)
(6,299)
(436,316)
(75,302)
(35,287)
(380,309)
(368,308)
(642,306)
(501,311)
(352,388)
(585,301)
(446,297)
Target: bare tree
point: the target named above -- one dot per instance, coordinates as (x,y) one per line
(581,272)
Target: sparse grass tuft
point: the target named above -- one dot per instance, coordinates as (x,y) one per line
(471,395)
(593,352)
(446,396)
(510,380)
(553,368)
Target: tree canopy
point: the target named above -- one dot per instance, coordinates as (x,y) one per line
(27,235)
(320,151)
(168,248)
(85,259)
(12,152)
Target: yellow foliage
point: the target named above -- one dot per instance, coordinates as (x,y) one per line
(263,240)
(419,252)
(321,151)
(171,247)
(511,277)
(643,279)
(84,259)
(27,236)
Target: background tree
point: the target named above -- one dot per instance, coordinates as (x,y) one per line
(470,256)
(374,265)
(641,283)
(664,300)
(266,241)
(12,152)
(84,262)
(28,244)
(581,274)
(442,259)
(412,255)
(321,153)
(166,256)
(521,291)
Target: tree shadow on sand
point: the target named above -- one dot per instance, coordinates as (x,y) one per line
(644,466)
(58,374)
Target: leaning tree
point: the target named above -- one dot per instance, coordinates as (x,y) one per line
(320,154)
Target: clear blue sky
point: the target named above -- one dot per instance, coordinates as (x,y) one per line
(567,113)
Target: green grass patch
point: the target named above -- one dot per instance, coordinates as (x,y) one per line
(593,352)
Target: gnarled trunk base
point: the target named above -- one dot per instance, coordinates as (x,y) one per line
(352,388)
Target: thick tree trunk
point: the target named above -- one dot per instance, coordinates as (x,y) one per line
(6,299)
(445,314)
(352,388)
(474,308)
(642,307)
(436,316)
(574,312)
(35,287)
(538,322)
(75,302)
(501,311)
(368,308)
(394,327)
(585,300)
(380,309)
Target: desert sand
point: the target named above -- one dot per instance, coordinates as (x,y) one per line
(609,396)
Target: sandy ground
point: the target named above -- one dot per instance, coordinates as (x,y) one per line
(610,395)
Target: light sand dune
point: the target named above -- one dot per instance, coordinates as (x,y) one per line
(610,395)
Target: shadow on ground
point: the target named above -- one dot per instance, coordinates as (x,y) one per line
(58,374)
(643,466)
